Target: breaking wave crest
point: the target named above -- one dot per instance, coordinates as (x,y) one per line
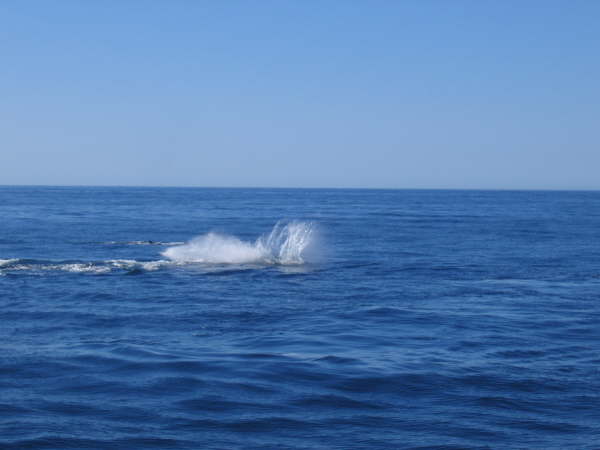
(287,244)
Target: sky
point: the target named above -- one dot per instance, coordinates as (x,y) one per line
(458,94)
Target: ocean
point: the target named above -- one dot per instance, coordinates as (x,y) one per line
(196,318)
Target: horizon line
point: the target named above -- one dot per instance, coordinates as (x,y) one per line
(306,188)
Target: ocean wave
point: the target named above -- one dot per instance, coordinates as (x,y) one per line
(290,243)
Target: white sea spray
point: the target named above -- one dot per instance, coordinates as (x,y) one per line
(288,243)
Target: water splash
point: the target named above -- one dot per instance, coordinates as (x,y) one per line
(287,243)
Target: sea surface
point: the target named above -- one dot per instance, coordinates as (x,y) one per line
(184,318)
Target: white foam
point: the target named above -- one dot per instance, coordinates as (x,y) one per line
(19,267)
(122,263)
(129,264)
(7,262)
(78,268)
(215,248)
(108,266)
(155,265)
(287,243)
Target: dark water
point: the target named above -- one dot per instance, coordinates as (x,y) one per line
(430,319)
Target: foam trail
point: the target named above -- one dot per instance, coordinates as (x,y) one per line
(8,262)
(93,267)
(287,243)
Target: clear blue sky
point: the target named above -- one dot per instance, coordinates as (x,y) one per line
(302,93)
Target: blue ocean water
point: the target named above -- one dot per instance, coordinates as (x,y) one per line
(158,318)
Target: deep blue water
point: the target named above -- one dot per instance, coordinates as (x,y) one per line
(417,319)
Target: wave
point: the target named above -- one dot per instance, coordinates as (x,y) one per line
(288,243)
